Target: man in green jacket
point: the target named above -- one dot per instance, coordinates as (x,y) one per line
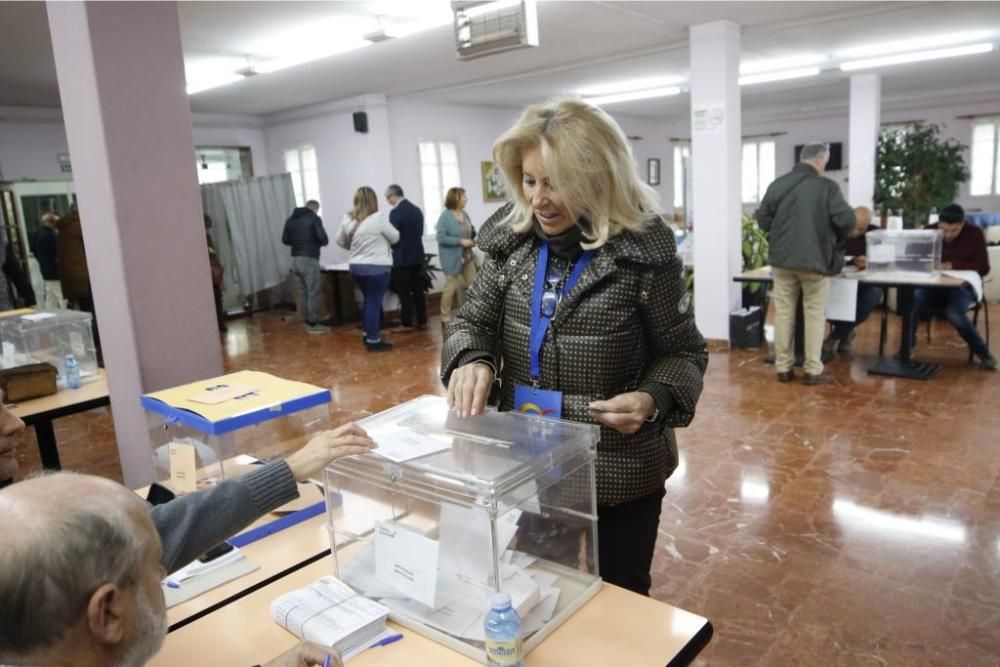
(806,217)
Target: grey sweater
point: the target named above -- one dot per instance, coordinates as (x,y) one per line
(194,523)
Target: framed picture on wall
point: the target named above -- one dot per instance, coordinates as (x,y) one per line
(653,171)
(493,184)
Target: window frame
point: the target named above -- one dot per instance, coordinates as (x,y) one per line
(762,183)
(994,158)
(299,183)
(433,206)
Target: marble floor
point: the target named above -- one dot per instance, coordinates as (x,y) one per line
(851,524)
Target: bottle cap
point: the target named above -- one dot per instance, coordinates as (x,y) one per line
(500,601)
(70,357)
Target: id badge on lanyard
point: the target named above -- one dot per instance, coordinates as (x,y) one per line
(534,399)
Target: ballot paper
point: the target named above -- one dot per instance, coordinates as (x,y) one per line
(842,302)
(406,561)
(329,613)
(466,538)
(399,444)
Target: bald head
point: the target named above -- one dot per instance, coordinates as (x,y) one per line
(862,219)
(64,536)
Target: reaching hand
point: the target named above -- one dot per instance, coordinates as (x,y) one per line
(306,655)
(468,243)
(625,413)
(469,387)
(327,446)
(861,262)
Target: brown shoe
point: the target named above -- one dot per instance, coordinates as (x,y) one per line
(786,376)
(822,378)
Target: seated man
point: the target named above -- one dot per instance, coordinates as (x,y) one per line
(82,558)
(842,333)
(964,249)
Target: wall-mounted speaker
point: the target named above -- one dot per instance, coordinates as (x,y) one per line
(360,121)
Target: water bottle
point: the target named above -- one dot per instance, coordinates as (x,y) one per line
(72,371)
(503,633)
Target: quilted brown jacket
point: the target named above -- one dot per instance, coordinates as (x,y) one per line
(626,325)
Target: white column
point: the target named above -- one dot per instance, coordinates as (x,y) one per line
(716,160)
(128,122)
(866,97)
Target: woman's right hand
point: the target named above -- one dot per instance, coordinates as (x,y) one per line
(469,387)
(468,243)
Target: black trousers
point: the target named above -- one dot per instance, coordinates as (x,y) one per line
(626,539)
(407,283)
(220,314)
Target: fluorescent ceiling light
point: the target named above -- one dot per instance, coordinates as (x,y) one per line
(781,64)
(294,59)
(208,84)
(919,56)
(630,85)
(800,73)
(634,95)
(886,48)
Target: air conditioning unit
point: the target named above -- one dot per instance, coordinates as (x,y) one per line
(486,28)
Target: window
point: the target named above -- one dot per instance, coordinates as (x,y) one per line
(300,162)
(682,175)
(985,178)
(758,169)
(439,172)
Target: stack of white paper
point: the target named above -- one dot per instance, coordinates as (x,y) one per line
(329,613)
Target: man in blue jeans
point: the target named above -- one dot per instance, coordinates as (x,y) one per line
(305,234)
(964,249)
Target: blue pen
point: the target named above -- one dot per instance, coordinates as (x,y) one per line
(326,663)
(385,641)
(171,584)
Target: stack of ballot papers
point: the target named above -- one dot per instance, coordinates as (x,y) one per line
(329,613)
(446,583)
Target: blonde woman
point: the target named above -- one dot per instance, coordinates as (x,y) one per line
(369,236)
(581,308)
(456,239)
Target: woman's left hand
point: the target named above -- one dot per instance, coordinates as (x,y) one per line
(625,413)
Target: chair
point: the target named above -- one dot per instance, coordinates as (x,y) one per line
(983,304)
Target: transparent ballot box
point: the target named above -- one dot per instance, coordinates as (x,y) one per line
(502,501)
(208,430)
(48,336)
(907,252)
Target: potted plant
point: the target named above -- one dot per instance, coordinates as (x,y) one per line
(755,249)
(917,171)
(428,272)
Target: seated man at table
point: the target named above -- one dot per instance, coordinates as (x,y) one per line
(842,333)
(964,249)
(80,577)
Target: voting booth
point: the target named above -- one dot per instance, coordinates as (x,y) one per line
(446,511)
(203,429)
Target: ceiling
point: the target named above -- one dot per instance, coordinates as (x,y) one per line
(581,44)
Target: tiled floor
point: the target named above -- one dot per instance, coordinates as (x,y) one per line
(854,524)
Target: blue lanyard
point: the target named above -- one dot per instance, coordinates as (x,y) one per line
(540,324)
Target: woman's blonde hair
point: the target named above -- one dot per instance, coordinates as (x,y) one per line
(453,198)
(365,203)
(588,160)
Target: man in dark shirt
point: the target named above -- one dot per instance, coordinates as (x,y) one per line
(46,249)
(305,234)
(842,333)
(964,249)
(408,258)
